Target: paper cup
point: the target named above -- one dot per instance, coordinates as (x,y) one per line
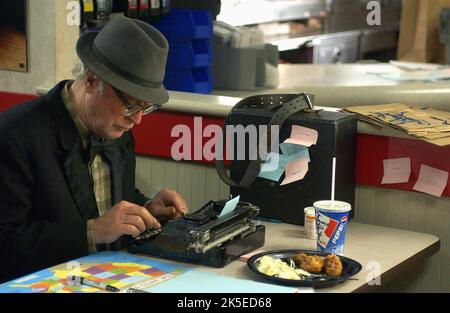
(331,225)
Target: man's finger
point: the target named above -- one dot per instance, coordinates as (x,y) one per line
(168,212)
(136,221)
(131,230)
(175,199)
(150,220)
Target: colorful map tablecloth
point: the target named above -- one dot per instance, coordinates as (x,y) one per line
(132,273)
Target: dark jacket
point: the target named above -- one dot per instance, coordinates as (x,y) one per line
(46,193)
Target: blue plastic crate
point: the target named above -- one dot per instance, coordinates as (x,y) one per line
(196,80)
(186,55)
(185,25)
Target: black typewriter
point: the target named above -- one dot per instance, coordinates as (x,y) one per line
(204,237)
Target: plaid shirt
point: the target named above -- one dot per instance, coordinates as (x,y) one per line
(98,169)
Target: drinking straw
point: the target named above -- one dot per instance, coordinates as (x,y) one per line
(333,175)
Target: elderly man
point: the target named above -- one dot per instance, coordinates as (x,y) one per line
(67,163)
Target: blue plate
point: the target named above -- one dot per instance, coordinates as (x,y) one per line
(349,268)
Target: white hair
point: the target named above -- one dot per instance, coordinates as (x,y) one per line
(80,71)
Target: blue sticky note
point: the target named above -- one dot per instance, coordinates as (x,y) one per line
(294,152)
(274,166)
(230,206)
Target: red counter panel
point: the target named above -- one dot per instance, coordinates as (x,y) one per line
(9,99)
(153,135)
(372,150)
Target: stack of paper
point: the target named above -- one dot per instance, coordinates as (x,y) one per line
(413,71)
(430,125)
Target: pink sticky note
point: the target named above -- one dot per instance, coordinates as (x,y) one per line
(431,180)
(396,170)
(295,170)
(302,136)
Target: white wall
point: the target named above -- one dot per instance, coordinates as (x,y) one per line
(197,183)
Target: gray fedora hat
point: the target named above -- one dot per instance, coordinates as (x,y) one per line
(130,55)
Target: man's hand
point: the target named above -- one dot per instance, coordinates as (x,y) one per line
(124,218)
(167,204)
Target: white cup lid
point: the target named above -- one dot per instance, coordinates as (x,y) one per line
(332,206)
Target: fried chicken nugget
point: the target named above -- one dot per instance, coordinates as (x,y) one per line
(333,265)
(309,263)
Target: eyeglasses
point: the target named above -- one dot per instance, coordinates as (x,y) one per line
(131,109)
